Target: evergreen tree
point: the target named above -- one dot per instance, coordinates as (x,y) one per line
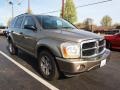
(70,11)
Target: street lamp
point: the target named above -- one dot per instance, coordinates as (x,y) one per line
(28,6)
(62,8)
(11,3)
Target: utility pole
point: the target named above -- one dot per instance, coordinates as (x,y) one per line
(62,8)
(29,6)
(11,3)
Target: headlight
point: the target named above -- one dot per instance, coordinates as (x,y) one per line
(70,50)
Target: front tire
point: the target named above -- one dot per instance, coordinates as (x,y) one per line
(12,49)
(47,66)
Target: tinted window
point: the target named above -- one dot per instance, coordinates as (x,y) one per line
(51,22)
(29,21)
(18,22)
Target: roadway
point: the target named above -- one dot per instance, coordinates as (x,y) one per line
(14,77)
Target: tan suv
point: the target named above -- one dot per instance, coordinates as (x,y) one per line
(58,45)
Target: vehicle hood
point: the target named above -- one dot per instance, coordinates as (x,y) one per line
(72,35)
(108,37)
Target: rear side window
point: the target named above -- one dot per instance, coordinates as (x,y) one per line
(18,22)
(12,23)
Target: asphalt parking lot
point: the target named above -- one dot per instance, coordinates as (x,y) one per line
(12,77)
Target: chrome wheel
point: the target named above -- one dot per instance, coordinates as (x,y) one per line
(11,48)
(45,65)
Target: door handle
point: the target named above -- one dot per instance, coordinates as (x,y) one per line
(27,37)
(21,33)
(12,31)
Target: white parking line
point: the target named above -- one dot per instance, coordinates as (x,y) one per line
(50,86)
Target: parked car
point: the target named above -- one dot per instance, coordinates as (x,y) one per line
(58,45)
(2,29)
(6,33)
(113,41)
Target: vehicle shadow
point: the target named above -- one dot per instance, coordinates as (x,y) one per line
(116,50)
(32,61)
(28,59)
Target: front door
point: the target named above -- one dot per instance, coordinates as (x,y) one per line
(29,35)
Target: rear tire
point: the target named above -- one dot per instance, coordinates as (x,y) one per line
(47,66)
(12,49)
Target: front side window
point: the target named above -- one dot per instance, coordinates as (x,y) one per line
(19,22)
(29,21)
(51,22)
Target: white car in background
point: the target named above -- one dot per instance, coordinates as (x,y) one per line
(2,30)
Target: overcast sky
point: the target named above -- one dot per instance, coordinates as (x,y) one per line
(96,12)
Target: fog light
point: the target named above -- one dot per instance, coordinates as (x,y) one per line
(80,67)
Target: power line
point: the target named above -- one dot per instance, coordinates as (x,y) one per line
(19,3)
(81,6)
(51,12)
(93,3)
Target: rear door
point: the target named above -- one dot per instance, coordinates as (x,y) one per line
(16,30)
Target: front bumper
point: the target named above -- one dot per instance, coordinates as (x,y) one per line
(75,66)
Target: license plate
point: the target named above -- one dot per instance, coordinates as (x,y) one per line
(103,63)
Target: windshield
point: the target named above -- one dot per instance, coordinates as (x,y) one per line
(51,22)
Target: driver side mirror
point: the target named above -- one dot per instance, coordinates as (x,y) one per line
(31,27)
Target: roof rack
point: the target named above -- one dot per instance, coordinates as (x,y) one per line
(23,14)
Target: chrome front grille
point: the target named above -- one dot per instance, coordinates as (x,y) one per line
(92,48)
(88,45)
(101,42)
